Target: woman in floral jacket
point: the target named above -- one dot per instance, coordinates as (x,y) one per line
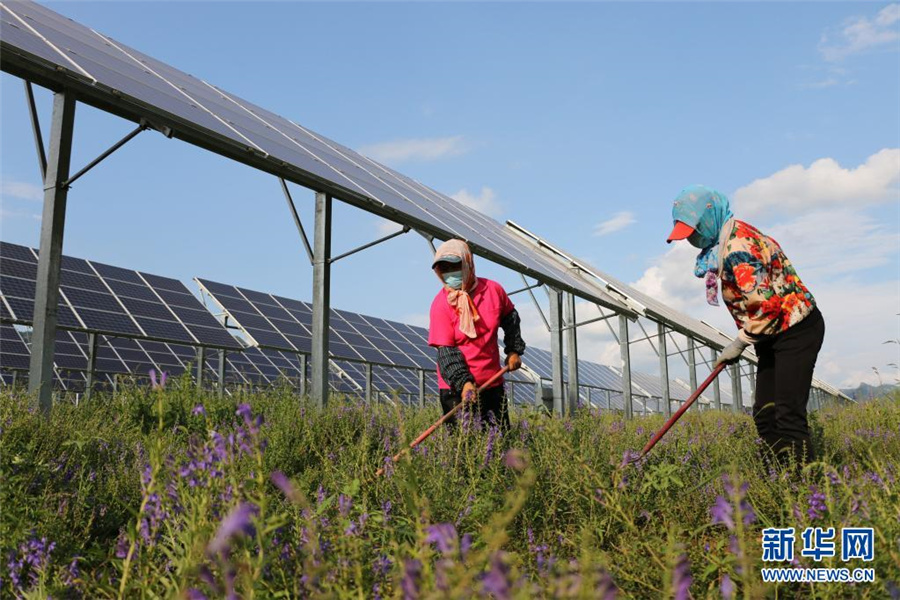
(771,307)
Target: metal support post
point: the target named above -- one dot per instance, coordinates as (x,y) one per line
(752,377)
(556,349)
(717,391)
(36,128)
(608,400)
(572,353)
(91,366)
(321,298)
(626,366)
(201,364)
(692,364)
(222,366)
(46,297)
(422,388)
(737,394)
(368,383)
(664,370)
(297,221)
(303,370)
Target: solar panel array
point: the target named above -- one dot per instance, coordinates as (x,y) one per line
(112,300)
(40,44)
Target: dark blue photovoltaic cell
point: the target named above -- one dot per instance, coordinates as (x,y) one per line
(18,268)
(17,252)
(13,352)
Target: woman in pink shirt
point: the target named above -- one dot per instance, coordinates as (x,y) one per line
(465,317)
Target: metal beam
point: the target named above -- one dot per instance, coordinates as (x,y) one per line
(556,349)
(390,236)
(536,304)
(717,391)
(752,378)
(737,394)
(692,364)
(91,365)
(297,221)
(223,365)
(664,369)
(524,289)
(99,159)
(589,321)
(321,298)
(46,297)
(36,129)
(422,388)
(201,364)
(368,383)
(626,366)
(303,370)
(572,353)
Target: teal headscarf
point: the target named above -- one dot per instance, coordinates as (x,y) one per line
(706,210)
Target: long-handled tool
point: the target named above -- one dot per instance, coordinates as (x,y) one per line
(681,410)
(422,437)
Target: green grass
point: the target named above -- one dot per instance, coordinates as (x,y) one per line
(132,490)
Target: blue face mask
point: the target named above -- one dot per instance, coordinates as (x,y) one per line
(453,279)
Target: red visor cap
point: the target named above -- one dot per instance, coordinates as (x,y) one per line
(680,232)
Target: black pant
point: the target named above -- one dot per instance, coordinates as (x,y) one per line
(491,406)
(783,380)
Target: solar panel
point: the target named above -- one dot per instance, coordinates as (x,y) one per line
(108,299)
(129,83)
(14,354)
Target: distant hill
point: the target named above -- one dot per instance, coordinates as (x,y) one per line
(868,392)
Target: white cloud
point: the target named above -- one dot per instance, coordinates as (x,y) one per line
(385,227)
(20,190)
(16,214)
(860,34)
(416,150)
(823,184)
(619,221)
(485,202)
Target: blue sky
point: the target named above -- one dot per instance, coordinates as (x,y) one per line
(580,121)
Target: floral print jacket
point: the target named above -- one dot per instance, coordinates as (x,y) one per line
(760,286)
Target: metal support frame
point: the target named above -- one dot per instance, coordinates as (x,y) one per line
(524,289)
(321,298)
(429,239)
(303,370)
(36,128)
(46,297)
(737,394)
(201,363)
(717,390)
(422,388)
(293,208)
(223,365)
(91,365)
(626,366)
(536,303)
(589,321)
(752,378)
(390,236)
(692,363)
(572,353)
(368,383)
(556,349)
(664,369)
(68,182)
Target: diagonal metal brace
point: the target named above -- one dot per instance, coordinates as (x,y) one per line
(406,229)
(144,125)
(297,221)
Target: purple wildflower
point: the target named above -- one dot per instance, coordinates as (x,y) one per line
(489,452)
(386,510)
(495,582)
(284,484)
(681,578)
(817,506)
(382,566)
(412,572)
(726,586)
(630,457)
(345,503)
(33,557)
(158,385)
(195,594)
(199,410)
(236,524)
(444,536)
(515,460)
